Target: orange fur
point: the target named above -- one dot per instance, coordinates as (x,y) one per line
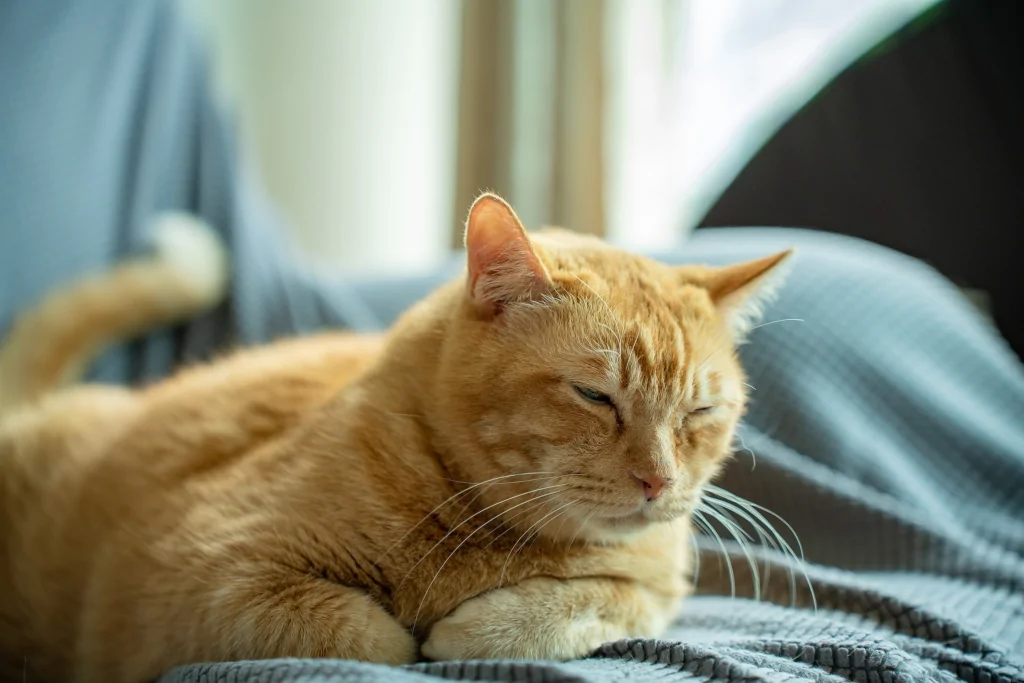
(442,489)
(52,344)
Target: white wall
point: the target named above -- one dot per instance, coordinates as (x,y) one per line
(350,107)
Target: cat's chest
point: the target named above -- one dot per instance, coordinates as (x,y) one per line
(421,564)
(422,573)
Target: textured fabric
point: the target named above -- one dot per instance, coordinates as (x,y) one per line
(887,427)
(106,120)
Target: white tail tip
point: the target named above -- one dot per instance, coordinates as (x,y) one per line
(192,248)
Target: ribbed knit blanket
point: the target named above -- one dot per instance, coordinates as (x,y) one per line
(887,428)
(887,425)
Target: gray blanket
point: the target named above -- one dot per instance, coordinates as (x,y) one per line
(887,428)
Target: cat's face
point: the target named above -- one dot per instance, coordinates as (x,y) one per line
(608,378)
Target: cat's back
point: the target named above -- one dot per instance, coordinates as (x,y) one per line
(133,443)
(80,467)
(221,408)
(43,450)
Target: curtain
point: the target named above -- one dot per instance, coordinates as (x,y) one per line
(531,112)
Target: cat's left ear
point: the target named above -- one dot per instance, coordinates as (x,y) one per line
(741,291)
(503,266)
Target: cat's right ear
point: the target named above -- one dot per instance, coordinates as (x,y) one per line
(740,291)
(503,267)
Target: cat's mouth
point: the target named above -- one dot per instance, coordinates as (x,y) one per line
(621,517)
(641,516)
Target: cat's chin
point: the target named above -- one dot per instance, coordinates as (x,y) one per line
(619,527)
(614,523)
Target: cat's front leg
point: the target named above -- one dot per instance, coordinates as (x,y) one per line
(255,617)
(321,618)
(546,618)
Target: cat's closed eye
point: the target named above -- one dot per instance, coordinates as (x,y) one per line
(702,411)
(592,395)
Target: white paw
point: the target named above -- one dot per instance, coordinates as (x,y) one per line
(493,626)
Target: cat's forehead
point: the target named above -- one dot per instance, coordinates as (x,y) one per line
(634,291)
(627,278)
(656,336)
(665,356)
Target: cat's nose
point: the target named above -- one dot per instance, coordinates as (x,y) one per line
(652,484)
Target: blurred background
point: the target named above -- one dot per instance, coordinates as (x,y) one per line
(373,124)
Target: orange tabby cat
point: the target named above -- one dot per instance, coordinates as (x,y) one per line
(510,472)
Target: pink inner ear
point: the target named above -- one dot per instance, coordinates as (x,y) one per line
(488,236)
(503,266)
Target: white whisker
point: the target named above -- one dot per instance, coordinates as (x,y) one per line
(698,514)
(782,320)
(463,492)
(754,508)
(506,521)
(695,576)
(536,534)
(752,513)
(520,540)
(611,313)
(707,358)
(455,528)
(456,549)
(766,539)
(753,458)
(583,522)
(741,537)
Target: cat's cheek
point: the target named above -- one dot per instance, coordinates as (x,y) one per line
(707,439)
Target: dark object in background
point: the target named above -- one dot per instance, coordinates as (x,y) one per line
(918,146)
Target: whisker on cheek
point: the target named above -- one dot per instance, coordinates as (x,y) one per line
(583,522)
(521,543)
(727,502)
(465,540)
(557,487)
(508,521)
(706,527)
(544,476)
(743,444)
(695,574)
(741,537)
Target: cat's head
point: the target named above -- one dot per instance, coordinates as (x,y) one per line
(601,387)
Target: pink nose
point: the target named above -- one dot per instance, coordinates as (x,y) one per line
(652,484)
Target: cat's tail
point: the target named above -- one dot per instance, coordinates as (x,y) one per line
(51,344)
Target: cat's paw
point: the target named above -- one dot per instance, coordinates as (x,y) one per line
(381,640)
(508,624)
